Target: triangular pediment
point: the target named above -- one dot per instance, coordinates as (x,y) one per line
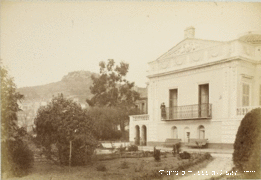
(188,46)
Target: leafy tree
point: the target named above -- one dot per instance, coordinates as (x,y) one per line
(105,124)
(60,122)
(16,157)
(112,89)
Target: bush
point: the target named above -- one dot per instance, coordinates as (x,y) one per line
(176,149)
(156,154)
(17,158)
(133,148)
(207,155)
(246,154)
(101,167)
(124,165)
(184,155)
(77,127)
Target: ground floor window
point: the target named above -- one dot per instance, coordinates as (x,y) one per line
(201,132)
(186,134)
(174,132)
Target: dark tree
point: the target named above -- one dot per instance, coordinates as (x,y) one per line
(16,157)
(112,89)
(247,148)
(60,122)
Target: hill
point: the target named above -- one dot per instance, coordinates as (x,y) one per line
(74,85)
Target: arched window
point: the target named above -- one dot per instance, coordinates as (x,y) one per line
(186,134)
(201,132)
(174,132)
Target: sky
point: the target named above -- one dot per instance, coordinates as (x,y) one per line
(41,41)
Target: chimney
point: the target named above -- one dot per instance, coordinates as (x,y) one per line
(189,32)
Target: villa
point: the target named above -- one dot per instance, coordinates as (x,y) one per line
(207,88)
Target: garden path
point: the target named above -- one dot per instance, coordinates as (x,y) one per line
(220,164)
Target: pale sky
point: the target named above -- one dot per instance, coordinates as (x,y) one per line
(43,41)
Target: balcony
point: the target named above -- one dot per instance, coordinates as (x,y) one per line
(142,117)
(241,111)
(195,111)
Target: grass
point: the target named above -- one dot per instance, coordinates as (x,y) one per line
(129,168)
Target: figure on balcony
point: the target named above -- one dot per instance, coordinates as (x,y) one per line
(163,111)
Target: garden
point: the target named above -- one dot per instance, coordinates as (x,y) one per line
(124,163)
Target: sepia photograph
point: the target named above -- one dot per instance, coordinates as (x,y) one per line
(135,90)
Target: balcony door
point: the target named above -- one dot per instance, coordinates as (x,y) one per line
(173,103)
(203,100)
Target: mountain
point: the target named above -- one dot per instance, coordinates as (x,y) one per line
(74,85)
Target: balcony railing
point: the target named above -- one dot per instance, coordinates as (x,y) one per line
(142,117)
(195,111)
(244,110)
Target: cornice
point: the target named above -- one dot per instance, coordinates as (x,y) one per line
(236,58)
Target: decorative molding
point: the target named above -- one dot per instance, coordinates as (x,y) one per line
(194,71)
(214,52)
(187,47)
(247,76)
(197,56)
(180,60)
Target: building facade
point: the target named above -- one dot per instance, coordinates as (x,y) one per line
(207,88)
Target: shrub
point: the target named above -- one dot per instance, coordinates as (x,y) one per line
(121,149)
(133,148)
(207,155)
(176,149)
(139,168)
(101,167)
(184,155)
(246,154)
(124,165)
(17,158)
(77,127)
(156,154)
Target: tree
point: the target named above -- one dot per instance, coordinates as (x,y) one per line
(105,124)
(246,156)
(9,107)
(112,89)
(60,122)
(16,157)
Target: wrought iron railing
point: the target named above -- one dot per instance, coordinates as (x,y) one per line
(195,111)
(245,110)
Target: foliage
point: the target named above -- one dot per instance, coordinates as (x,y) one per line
(133,148)
(184,155)
(111,88)
(176,149)
(101,167)
(124,165)
(246,154)
(9,107)
(156,154)
(16,158)
(104,123)
(60,122)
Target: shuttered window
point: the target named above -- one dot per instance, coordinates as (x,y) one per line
(246,95)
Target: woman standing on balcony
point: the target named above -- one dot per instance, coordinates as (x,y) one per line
(163,111)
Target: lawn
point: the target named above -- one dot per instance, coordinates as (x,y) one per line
(121,168)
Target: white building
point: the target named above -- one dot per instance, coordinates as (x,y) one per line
(207,87)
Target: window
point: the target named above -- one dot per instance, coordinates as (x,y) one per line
(201,132)
(143,108)
(174,132)
(173,103)
(203,100)
(246,95)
